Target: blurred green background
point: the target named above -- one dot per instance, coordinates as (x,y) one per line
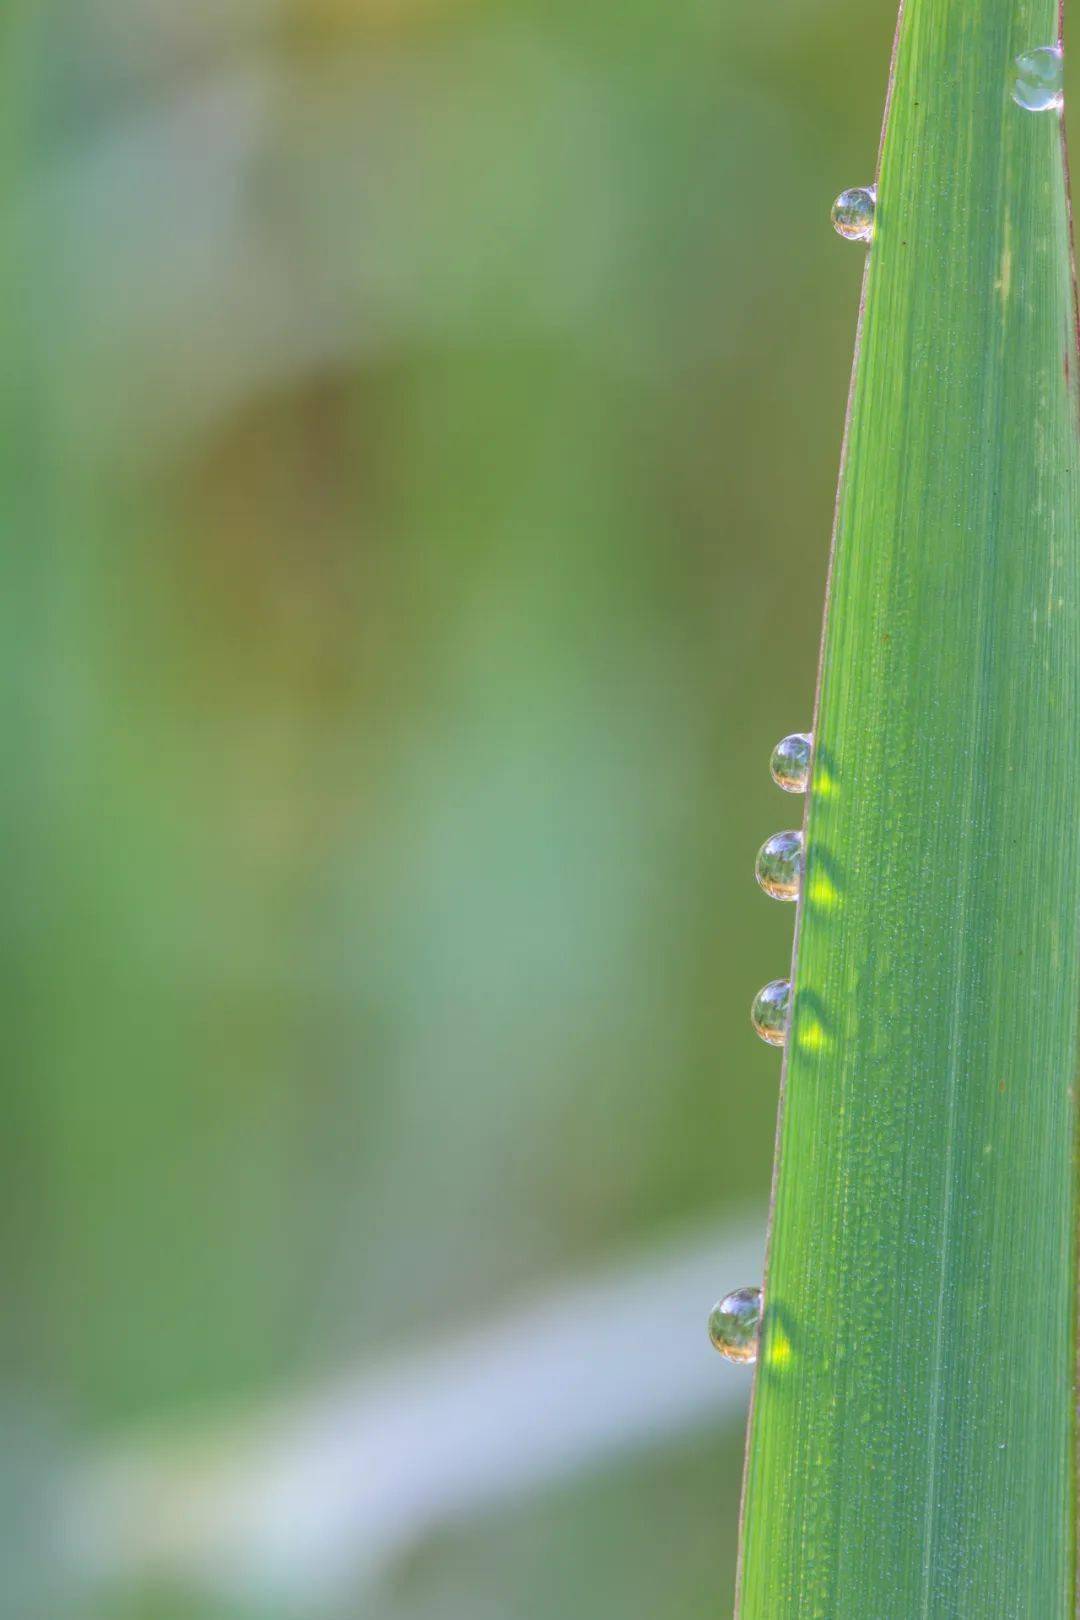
(420,427)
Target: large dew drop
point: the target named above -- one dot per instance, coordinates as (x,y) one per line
(735,1324)
(779,865)
(853,214)
(769,1013)
(1040,79)
(790,763)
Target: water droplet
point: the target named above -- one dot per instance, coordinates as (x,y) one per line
(780,864)
(735,1323)
(769,1014)
(1040,79)
(853,213)
(790,763)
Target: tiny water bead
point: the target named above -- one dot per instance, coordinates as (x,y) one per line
(779,865)
(769,1013)
(735,1324)
(1040,79)
(790,763)
(853,213)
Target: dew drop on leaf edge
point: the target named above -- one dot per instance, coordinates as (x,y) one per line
(853,213)
(780,864)
(735,1325)
(1040,79)
(770,1011)
(790,762)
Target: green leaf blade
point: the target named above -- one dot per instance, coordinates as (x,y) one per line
(910,1451)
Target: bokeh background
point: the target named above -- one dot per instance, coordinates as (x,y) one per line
(420,428)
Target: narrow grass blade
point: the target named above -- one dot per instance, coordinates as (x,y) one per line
(911,1445)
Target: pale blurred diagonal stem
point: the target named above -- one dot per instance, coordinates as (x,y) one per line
(323,1492)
